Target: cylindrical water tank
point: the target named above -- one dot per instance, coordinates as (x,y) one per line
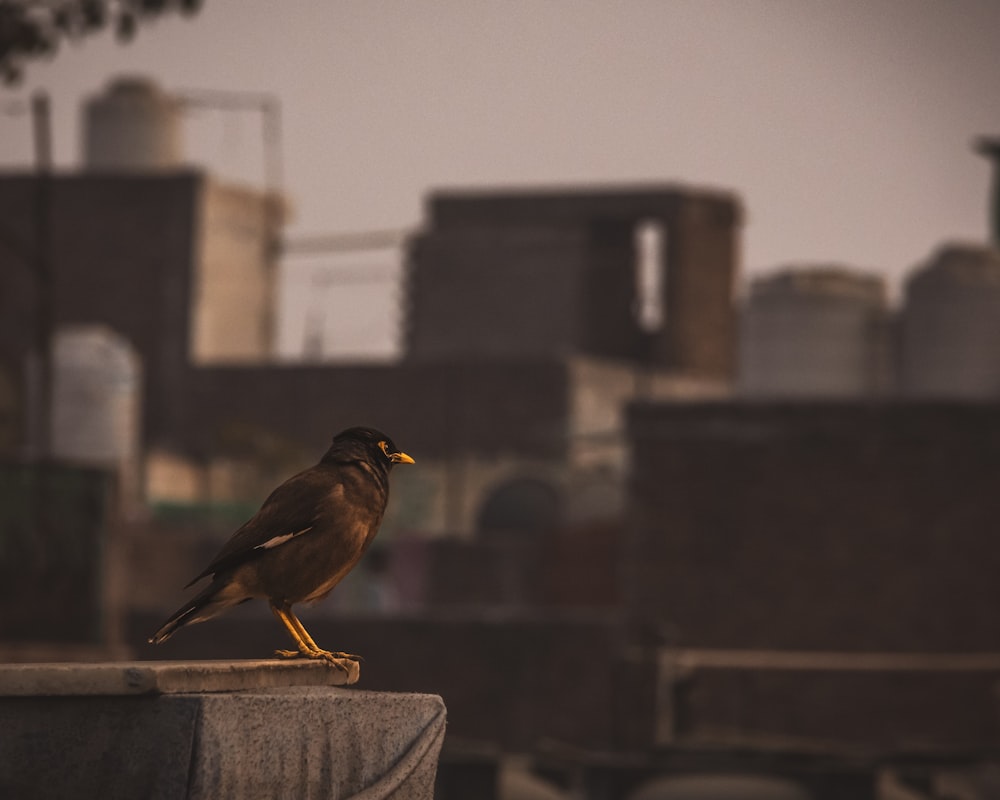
(96,383)
(815,332)
(133,126)
(950,326)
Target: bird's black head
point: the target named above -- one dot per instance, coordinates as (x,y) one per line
(370,443)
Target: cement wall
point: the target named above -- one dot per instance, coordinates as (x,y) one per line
(226,729)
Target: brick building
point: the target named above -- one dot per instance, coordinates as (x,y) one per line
(511,274)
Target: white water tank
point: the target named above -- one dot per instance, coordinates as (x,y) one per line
(814,332)
(950,326)
(133,126)
(96,390)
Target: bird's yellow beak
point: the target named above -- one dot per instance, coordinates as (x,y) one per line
(401,458)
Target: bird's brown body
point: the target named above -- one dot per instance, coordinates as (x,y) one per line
(309,533)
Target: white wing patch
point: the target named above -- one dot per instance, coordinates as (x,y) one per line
(275,541)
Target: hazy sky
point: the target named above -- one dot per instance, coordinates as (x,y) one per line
(844,126)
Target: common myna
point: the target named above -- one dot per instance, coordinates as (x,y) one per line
(306,537)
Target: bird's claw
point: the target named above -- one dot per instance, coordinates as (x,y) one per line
(346,656)
(332,658)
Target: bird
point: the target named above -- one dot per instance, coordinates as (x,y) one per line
(308,534)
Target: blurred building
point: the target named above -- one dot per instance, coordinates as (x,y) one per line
(557,273)
(950,326)
(815,332)
(523,346)
(875,518)
(533,318)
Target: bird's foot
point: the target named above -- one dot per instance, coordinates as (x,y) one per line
(317,653)
(334,658)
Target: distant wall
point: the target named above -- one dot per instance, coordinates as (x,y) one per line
(832,527)
(432,411)
(55,527)
(494,293)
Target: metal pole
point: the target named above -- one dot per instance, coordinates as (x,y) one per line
(273,206)
(989,147)
(271,134)
(44,311)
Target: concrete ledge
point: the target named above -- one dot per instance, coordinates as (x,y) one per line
(172,731)
(169,677)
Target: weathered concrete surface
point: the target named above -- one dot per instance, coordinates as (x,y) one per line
(270,742)
(165,677)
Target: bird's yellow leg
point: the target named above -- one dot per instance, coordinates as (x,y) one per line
(302,644)
(304,635)
(300,629)
(307,647)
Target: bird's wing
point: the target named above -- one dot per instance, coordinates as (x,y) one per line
(289,511)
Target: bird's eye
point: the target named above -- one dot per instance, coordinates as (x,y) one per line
(384,447)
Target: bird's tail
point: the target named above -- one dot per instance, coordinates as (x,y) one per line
(212,600)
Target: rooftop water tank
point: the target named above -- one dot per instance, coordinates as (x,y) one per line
(95,397)
(816,332)
(950,326)
(133,126)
